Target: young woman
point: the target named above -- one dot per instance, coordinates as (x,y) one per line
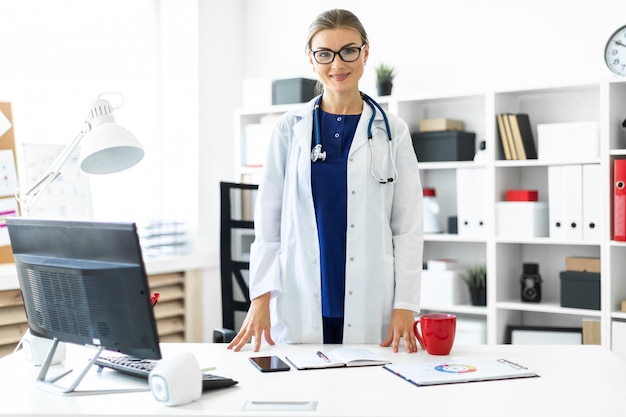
(337,256)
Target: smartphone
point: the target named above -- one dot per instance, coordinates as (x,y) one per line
(269,363)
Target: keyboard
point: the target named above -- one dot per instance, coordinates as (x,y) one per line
(142,367)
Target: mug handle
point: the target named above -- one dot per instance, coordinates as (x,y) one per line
(417,334)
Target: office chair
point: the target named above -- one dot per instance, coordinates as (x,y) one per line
(236,203)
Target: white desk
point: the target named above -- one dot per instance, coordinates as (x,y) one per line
(575,381)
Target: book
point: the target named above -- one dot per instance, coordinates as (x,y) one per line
(523,136)
(458,370)
(336,358)
(503,137)
(517,137)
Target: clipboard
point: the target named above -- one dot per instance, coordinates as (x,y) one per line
(459,370)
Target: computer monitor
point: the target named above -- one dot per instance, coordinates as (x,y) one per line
(85,283)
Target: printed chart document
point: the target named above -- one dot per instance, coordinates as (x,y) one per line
(451,371)
(336,358)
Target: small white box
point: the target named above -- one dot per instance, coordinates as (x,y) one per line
(522,219)
(444,288)
(567,141)
(470,331)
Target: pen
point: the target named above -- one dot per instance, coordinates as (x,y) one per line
(321,355)
(154,298)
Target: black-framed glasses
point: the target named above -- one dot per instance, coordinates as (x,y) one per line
(348,54)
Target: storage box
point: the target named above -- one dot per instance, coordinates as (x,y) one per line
(582,264)
(567,141)
(580,289)
(444,146)
(522,219)
(470,331)
(443,288)
(293,90)
(437,125)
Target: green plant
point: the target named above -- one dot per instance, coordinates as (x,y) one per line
(385,73)
(476,276)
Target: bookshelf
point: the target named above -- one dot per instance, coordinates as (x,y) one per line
(603,102)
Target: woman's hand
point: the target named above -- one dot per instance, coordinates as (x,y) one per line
(256,324)
(401,327)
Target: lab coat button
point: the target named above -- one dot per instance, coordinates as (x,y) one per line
(351,258)
(353,192)
(352,226)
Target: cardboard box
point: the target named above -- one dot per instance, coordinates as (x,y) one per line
(444,146)
(591,332)
(443,288)
(580,289)
(437,125)
(582,264)
(567,141)
(522,219)
(293,90)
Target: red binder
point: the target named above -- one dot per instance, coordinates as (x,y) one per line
(619,200)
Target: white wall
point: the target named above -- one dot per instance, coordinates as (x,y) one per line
(447,46)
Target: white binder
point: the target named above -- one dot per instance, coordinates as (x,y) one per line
(565,201)
(471,199)
(592,196)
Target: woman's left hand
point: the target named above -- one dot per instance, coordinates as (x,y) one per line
(401,327)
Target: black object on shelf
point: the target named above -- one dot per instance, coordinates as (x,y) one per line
(448,145)
(580,289)
(293,90)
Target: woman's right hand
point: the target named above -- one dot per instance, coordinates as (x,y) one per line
(257,325)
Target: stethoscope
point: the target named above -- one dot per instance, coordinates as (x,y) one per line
(318,154)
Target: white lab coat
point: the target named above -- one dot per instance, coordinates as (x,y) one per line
(384,235)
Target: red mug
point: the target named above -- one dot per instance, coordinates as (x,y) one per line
(437,332)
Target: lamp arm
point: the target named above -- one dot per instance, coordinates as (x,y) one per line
(30,197)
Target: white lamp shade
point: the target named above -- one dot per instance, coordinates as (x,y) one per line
(109,148)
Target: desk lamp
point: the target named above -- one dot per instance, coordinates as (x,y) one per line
(107,148)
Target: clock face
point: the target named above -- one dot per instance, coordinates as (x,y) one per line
(615,52)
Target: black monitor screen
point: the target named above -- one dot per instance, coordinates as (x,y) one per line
(85,283)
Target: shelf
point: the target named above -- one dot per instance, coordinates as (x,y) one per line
(445,237)
(543,163)
(450,165)
(547,241)
(458,309)
(603,102)
(546,307)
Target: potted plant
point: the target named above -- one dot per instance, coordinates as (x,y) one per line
(384,79)
(476,279)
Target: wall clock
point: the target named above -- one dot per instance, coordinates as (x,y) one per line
(615,52)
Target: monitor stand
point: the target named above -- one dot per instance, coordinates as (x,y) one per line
(49,384)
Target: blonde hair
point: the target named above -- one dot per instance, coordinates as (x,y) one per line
(333,19)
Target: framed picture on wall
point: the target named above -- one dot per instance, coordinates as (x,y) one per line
(540,335)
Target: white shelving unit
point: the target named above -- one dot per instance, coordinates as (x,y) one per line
(602,102)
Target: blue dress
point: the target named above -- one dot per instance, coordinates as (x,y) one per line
(330,197)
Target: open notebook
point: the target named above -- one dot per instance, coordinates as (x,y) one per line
(451,371)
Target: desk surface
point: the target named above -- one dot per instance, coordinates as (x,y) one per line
(575,381)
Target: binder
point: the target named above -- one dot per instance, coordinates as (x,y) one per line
(471,201)
(565,201)
(619,200)
(592,211)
